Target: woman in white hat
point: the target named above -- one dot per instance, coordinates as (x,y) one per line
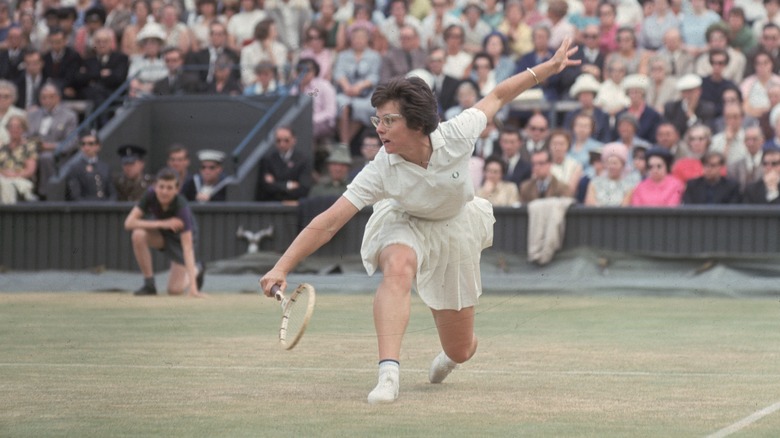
(147,67)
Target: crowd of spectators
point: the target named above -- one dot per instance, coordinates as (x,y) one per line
(676,101)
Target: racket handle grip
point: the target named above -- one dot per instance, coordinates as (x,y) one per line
(277,292)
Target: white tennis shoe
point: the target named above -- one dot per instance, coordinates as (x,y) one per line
(386,391)
(441,367)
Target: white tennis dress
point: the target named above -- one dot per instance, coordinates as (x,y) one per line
(433,211)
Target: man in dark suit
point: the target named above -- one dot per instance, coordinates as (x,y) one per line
(510,143)
(285,173)
(61,63)
(766,190)
(103,73)
(590,53)
(178,80)
(30,80)
(204,60)
(89,179)
(399,61)
(712,187)
(690,109)
(444,86)
(12,55)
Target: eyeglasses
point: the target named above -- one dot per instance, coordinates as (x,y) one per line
(655,166)
(208,166)
(283,140)
(537,128)
(718,62)
(771,163)
(387,120)
(697,138)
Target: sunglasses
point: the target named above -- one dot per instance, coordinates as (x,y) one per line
(386,120)
(771,163)
(208,166)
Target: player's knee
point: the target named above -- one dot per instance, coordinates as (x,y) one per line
(139,236)
(401,266)
(462,352)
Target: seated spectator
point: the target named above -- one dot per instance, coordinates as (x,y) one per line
(7,108)
(242,26)
(767,127)
(49,125)
(103,73)
(18,163)
(12,55)
(445,86)
(713,86)
(207,13)
(177,34)
(474,28)
(495,45)
(595,167)
(408,56)
(626,128)
(698,140)
(717,38)
(147,67)
(748,169)
(690,109)
(712,187)
(741,36)
(583,142)
(655,25)
(179,161)
(324,109)
(553,87)
(639,162)
(178,81)
(89,179)
(584,90)
(356,74)
(332,32)
(483,74)
(142,15)
(611,98)
(516,30)
(457,61)
(30,80)
(369,147)
(61,63)
(224,82)
(755,87)
(731,141)
(667,137)
(264,47)
(511,145)
(613,187)
(590,52)
(315,47)
(633,58)
(203,186)
(204,61)
(565,168)
(766,190)
(133,182)
(542,184)
(695,21)
(266,81)
(437,21)
(560,27)
(467,95)
(659,189)
(335,182)
(285,173)
(398,17)
(661,87)
(94,19)
(494,188)
(647,118)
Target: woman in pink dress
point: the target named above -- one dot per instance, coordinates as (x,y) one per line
(659,189)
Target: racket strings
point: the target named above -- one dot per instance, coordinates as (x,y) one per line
(295,315)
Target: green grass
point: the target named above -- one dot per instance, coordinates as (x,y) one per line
(113,365)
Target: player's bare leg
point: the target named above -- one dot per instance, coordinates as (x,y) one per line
(142,241)
(456,333)
(391,316)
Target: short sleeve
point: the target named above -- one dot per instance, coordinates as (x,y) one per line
(367,188)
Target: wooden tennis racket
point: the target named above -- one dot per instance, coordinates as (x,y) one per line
(296,313)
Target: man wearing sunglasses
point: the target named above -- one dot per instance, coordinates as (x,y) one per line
(204,185)
(766,190)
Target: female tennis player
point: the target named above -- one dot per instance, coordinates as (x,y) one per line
(427,229)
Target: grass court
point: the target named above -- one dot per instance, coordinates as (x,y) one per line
(113,365)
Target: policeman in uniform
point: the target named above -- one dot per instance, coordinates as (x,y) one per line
(133,182)
(89,179)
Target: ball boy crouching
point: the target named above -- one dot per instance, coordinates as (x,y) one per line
(162,220)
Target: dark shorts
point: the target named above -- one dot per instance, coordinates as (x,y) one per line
(172,247)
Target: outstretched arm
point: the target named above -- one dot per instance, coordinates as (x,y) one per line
(511,87)
(317,233)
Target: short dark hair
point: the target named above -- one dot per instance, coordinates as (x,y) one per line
(308,64)
(720,52)
(499,160)
(415,100)
(167,174)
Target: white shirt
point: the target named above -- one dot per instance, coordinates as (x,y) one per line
(435,193)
